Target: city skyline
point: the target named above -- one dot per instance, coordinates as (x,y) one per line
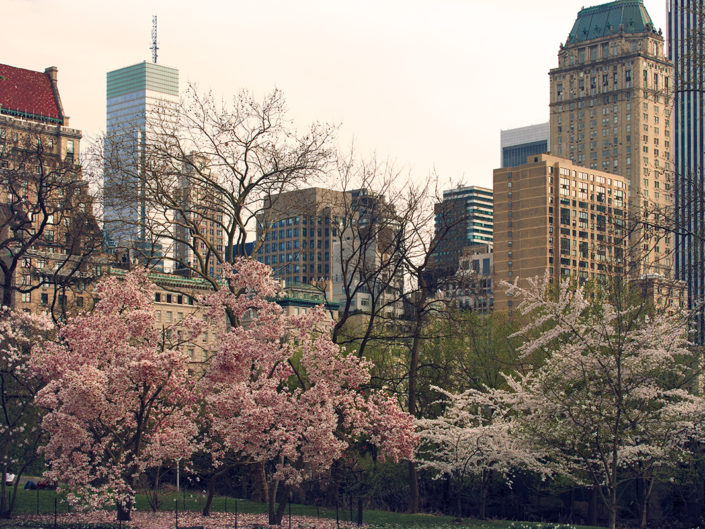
(412,82)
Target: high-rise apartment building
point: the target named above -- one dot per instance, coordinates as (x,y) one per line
(611,111)
(520,143)
(463,218)
(687,51)
(553,215)
(135,96)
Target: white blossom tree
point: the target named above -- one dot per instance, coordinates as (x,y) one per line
(475,436)
(612,401)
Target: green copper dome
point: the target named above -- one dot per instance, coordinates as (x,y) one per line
(594,22)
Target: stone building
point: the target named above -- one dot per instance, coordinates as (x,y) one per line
(50,242)
(610,107)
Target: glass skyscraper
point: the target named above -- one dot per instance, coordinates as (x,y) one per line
(134,95)
(687,50)
(520,143)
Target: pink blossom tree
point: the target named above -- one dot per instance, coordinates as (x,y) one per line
(20,434)
(283,395)
(612,401)
(475,436)
(119,399)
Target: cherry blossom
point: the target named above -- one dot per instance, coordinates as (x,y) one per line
(282,394)
(119,400)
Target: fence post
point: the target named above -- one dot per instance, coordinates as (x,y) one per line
(176,513)
(235,514)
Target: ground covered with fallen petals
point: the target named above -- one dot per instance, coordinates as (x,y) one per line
(167,520)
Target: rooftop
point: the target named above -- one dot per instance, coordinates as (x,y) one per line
(603,20)
(28,94)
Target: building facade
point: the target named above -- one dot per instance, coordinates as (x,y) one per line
(686,50)
(50,242)
(296,230)
(552,216)
(520,143)
(462,219)
(137,96)
(611,111)
(199,238)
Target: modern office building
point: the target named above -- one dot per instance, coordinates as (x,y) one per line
(611,111)
(520,143)
(463,218)
(687,51)
(135,96)
(551,215)
(296,231)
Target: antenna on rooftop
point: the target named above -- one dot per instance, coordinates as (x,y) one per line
(154,47)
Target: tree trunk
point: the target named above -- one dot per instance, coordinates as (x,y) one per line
(413,369)
(209,498)
(592,507)
(484,484)
(275,516)
(459,503)
(153,495)
(124,512)
(413,488)
(272,501)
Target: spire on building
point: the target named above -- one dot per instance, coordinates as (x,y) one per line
(154,46)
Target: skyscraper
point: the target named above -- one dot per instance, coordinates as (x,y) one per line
(135,94)
(686,50)
(520,143)
(462,219)
(611,111)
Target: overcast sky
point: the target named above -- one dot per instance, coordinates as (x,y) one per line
(428,84)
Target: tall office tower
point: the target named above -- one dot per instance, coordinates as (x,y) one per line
(462,219)
(611,111)
(520,143)
(686,50)
(135,96)
(552,215)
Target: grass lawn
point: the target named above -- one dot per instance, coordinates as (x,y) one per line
(30,502)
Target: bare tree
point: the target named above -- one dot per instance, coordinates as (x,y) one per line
(48,234)
(199,178)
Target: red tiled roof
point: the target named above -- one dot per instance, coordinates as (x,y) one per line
(28,92)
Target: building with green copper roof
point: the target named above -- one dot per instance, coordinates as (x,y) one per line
(610,103)
(629,16)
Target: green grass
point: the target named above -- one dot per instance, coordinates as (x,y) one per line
(194,501)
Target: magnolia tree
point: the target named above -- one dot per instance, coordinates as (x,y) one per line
(475,436)
(611,401)
(282,395)
(19,416)
(119,400)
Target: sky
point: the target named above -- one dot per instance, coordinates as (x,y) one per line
(425,84)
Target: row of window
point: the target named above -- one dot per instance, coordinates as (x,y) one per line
(289,257)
